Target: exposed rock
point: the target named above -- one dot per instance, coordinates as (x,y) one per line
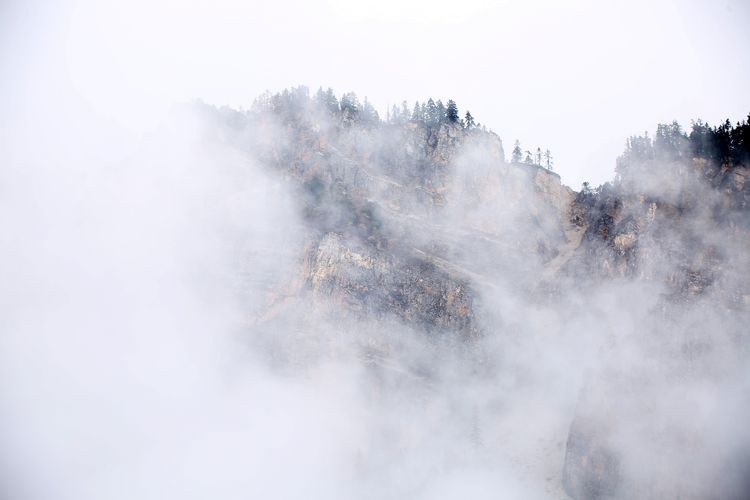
(410,223)
(639,430)
(364,281)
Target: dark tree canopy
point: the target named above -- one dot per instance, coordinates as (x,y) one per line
(451,112)
(723,145)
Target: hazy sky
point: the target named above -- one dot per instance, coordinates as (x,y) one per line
(577,77)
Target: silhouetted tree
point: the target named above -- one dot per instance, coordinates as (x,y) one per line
(417,116)
(701,140)
(517,154)
(548,159)
(331,103)
(670,142)
(469,120)
(451,112)
(291,103)
(430,113)
(440,111)
(586,195)
(724,144)
(320,96)
(350,107)
(369,115)
(638,149)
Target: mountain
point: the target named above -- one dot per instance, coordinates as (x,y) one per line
(418,227)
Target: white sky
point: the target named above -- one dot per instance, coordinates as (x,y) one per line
(577,77)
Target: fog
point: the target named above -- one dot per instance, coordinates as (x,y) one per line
(176,324)
(577,77)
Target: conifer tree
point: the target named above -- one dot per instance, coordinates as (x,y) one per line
(369,115)
(417,115)
(451,112)
(331,103)
(517,154)
(350,107)
(430,113)
(395,115)
(548,159)
(440,112)
(469,121)
(320,96)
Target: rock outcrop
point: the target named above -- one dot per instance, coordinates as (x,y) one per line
(370,282)
(412,224)
(643,428)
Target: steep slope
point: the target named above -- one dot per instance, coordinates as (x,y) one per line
(415,230)
(645,426)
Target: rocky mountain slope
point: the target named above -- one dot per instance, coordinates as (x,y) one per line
(425,226)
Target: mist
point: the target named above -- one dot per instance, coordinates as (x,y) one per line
(288,300)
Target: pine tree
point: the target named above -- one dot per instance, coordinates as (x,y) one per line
(469,121)
(395,115)
(517,154)
(331,103)
(451,112)
(538,157)
(440,112)
(369,115)
(548,159)
(417,116)
(350,107)
(529,160)
(320,96)
(430,112)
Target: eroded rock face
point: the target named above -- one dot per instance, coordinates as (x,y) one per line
(409,219)
(411,224)
(364,281)
(648,418)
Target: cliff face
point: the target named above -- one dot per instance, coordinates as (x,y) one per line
(412,288)
(408,221)
(424,227)
(643,427)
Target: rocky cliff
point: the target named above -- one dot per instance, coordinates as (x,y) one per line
(425,226)
(643,427)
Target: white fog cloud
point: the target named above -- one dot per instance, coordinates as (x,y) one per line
(132,363)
